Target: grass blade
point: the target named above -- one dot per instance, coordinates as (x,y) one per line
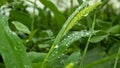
(65,43)
(11,47)
(77,15)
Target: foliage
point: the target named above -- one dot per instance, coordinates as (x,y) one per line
(12,47)
(83,37)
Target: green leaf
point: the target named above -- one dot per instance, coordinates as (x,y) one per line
(75,16)
(74,58)
(70,65)
(22,17)
(114,29)
(80,2)
(65,43)
(102,24)
(103,60)
(36,57)
(97,38)
(58,15)
(114,49)
(11,47)
(36,65)
(94,54)
(43,45)
(21,27)
(97,58)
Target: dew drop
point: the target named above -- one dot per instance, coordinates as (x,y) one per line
(87,33)
(16,48)
(83,0)
(86,14)
(27,66)
(82,34)
(27,40)
(3,47)
(56,46)
(73,34)
(62,54)
(68,36)
(13,33)
(64,39)
(66,44)
(58,57)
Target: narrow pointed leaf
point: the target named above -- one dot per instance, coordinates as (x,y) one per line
(21,27)
(65,43)
(96,39)
(75,16)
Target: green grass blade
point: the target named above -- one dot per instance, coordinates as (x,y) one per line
(77,15)
(11,47)
(65,43)
(71,21)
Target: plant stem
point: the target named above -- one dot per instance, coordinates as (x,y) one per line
(33,16)
(87,44)
(46,59)
(116,60)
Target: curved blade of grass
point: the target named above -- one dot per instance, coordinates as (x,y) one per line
(77,15)
(65,43)
(11,47)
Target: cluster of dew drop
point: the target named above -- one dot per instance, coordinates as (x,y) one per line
(74,36)
(65,43)
(27,66)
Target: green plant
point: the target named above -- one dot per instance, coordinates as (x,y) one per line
(41,39)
